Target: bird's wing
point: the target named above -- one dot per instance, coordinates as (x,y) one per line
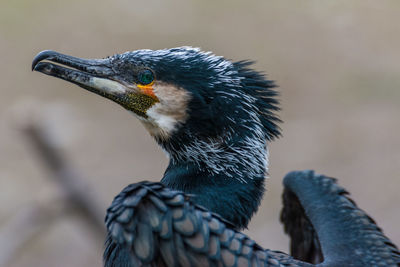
(324,224)
(151,225)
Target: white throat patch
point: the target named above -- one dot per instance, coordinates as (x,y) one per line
(164,117)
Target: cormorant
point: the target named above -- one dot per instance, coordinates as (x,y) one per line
(214,119)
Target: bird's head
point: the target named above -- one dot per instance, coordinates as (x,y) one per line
(183,96)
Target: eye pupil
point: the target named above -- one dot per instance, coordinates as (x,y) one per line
(146,77)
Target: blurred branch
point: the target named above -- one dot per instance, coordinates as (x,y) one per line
(76,194)
(73,185)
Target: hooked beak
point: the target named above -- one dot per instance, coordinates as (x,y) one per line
(91,74)
(95,75)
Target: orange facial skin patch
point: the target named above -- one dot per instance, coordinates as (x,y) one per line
(147,90)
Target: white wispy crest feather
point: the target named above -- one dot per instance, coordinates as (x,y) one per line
(243,160)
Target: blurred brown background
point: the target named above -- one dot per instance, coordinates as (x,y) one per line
(337,64)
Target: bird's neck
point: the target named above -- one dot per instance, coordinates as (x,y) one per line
(226,177)
(234,200)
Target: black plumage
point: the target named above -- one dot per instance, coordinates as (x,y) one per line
(218,149)
(155,225)
(325,225)
(151,224)
(214,119)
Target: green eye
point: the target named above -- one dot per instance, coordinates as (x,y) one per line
(145,77)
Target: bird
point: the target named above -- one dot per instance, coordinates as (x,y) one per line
(214,119)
